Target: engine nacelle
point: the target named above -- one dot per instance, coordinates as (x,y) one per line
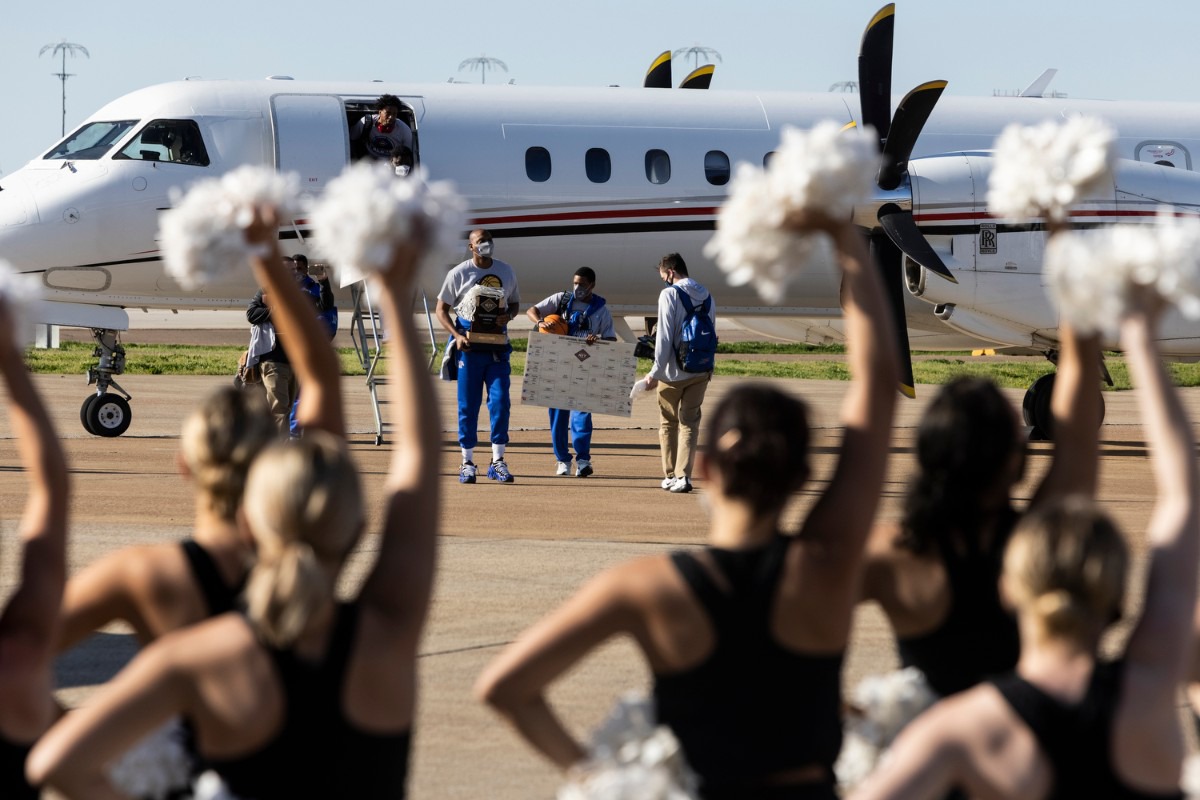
(1000,295)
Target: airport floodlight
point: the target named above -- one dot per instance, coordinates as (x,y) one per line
(697,52)
(64,48)
(482,63)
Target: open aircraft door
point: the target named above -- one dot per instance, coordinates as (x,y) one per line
(311,138)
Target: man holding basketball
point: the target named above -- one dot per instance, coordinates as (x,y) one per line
(579,312)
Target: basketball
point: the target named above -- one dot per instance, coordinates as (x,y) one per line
(553,323)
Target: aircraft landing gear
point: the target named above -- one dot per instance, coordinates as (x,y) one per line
(1036,406)
(1036,409)
(106,413)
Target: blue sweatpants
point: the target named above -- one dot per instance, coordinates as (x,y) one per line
(478,370)
(581,434)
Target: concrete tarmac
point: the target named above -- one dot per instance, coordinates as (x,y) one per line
(509,553)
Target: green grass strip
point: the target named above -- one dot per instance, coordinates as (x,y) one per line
(164,359)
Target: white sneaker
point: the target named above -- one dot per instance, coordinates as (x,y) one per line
(582,468)
(562,468)
(668,482)
(680,486)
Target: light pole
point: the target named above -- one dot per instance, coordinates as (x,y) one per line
(64,47)
(697,52)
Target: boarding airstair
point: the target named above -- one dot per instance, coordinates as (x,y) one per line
(367,334)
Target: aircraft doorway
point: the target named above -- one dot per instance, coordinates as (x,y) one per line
(1165,154)
(357,110)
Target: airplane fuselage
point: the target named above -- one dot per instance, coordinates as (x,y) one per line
(608,177)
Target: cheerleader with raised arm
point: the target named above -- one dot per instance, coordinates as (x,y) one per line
(300,695)
(746,637)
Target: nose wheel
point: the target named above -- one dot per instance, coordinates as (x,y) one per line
(105,415)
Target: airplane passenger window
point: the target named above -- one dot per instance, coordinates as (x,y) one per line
(537,164)
(716,167)
(658,166)
(767,159)
(173,140)
(598,165)
(91,141)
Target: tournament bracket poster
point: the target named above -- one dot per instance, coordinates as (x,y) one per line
(566,372)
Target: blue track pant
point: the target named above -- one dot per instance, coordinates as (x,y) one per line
(580,423)
(476,371)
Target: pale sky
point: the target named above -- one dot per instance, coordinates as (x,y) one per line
(1102,49)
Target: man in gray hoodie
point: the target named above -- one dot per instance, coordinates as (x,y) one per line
(680,393)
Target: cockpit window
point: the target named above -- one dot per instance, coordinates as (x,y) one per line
(91,141)
(177,141)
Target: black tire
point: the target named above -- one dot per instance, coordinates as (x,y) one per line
(85,413)
(1036,408)
(109,415)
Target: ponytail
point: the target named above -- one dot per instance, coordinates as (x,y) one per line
(284,590)
(304,508)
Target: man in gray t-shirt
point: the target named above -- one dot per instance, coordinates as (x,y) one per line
(480,368)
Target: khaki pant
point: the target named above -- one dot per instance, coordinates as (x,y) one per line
(679,423)
(279,383)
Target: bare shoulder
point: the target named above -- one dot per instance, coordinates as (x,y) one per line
(153,568)
(1000,752)
(215,641)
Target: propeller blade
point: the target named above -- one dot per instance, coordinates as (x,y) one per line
(887,258)
(698,78)
(875,71)
(910,118)
(902,230)
(659,74)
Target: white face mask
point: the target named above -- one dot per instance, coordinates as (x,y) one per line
(484,249)
(581,293)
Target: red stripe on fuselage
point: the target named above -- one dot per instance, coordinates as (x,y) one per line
(960,216)
(632,213)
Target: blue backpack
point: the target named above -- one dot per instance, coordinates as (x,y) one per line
(697,351)
(578,321)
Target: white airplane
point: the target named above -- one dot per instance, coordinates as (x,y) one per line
(609,177)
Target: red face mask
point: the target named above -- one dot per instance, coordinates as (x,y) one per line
(385,128)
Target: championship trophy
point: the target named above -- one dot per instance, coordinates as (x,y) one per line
(482,306)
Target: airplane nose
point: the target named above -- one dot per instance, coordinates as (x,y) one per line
(16,203)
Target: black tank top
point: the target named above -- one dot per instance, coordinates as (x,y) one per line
(318,752)
(752,709)
(219,596)
(12,771)
(1077,738)
(979,637)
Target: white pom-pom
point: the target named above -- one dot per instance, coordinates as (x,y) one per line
(1191,777)
(1041,170)
(209,786)
(632,758)
(156,767)
(20,294)
(366,212)
(202,237)
(1090,273)
(825,169)
(883,705)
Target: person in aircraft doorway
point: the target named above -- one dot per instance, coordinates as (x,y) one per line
(383,133)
